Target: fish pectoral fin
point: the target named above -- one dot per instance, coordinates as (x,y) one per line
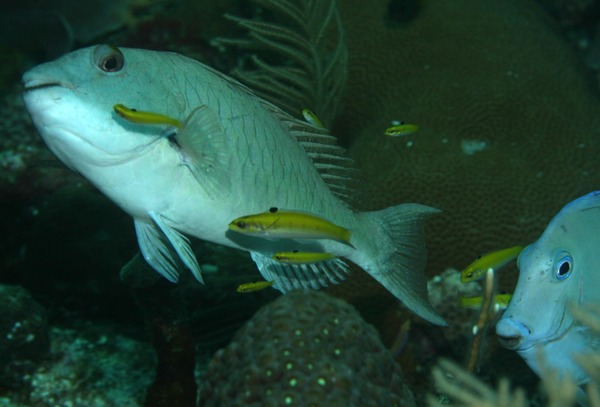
(160,243)
(206,150)
(289,277)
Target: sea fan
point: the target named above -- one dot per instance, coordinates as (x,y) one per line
(303,56)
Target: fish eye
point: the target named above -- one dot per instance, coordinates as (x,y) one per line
(108,58)
(273,209)
(241,224)
(564,267)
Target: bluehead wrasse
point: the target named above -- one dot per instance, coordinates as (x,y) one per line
(402,129)
(500,301)
(495,260)
(256,286)
(140,117)
(297,257)
(290,225)
(312,118)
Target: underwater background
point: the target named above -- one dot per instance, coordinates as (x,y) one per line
(507,101)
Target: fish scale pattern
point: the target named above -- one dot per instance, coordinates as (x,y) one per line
(305,349)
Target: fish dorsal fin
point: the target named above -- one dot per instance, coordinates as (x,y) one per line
(205,149)
(289,277)
(337,170)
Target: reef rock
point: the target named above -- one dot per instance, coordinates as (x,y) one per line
(24,339)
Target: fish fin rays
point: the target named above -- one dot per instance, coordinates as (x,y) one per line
(153,246)
(402,270)
(330,160)
(162,246)
(289,277)
(206,150)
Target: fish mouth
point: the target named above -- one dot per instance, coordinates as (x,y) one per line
(38,84)
(510,342)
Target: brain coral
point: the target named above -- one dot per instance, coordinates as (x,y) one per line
(305,349)
(510,120)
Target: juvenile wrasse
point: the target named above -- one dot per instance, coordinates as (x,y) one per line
(494,260)
(311,118)
(290,225)
(297,257)
(402,129)
(500,300)
(140,117)
(256,286)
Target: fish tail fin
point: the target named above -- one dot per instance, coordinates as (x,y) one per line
(396,257)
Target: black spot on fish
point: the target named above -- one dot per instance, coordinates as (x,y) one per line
(173,141)
(273,209)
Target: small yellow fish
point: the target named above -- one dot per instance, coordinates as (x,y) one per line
(256,286)
(500,301)
(402,129)
(494,260)
(297,257)
(311,118)
(290,225)
(140,117)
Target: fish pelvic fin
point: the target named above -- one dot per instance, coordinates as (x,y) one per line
(162,247)
(400,255)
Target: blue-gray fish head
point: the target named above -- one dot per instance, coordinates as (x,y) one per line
(71,101)
(559,269)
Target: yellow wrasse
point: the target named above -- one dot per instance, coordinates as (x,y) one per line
(500,300)
(311,118)
(256,286)
(140,117)
(494,260)
(290,225)
(402,129)
(297,257)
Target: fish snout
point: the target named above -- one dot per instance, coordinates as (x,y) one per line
(511,333)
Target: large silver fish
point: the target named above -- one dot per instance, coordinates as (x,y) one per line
(562,267)
(235,154)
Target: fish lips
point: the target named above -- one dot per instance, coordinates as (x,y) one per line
(38,84)
(512,334)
